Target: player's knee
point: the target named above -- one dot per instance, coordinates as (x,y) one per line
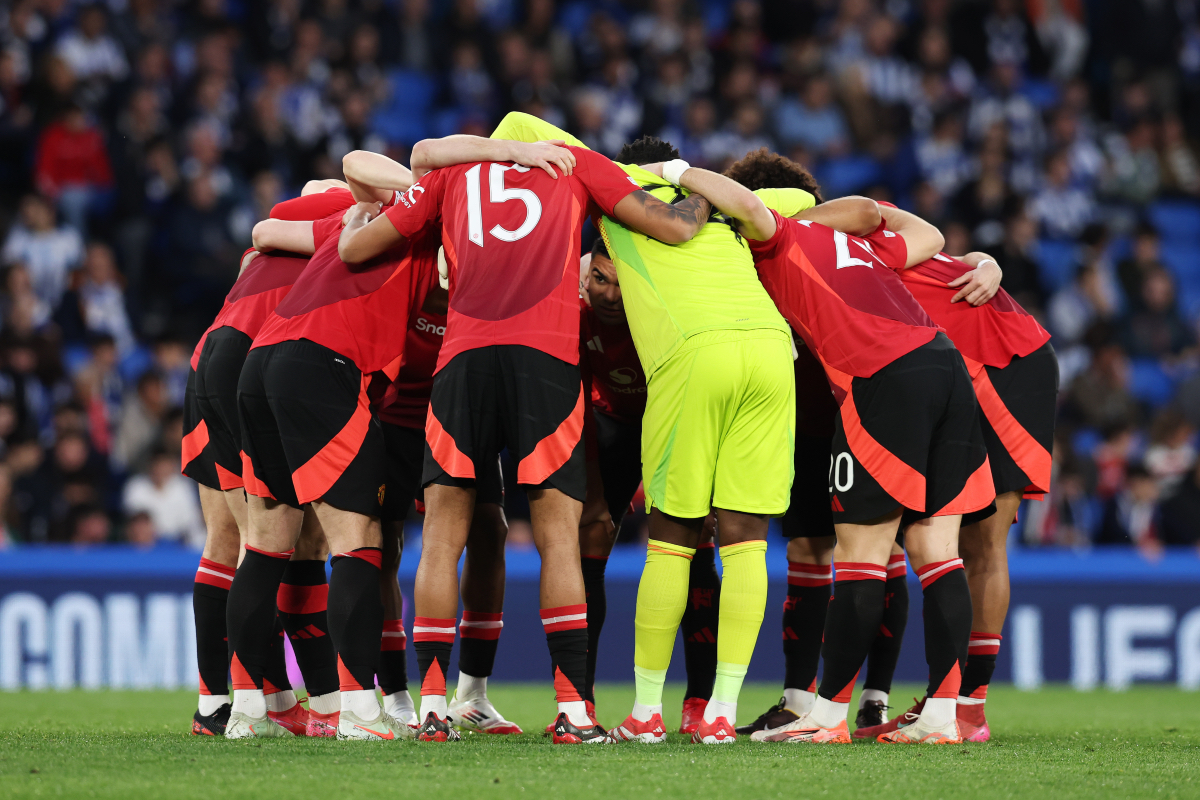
(811,550)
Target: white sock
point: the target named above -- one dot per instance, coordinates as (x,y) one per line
(250,702)
(470,688)
(209,703)
(281,700)
(970,701)
(399,705)
(645,713)
(798,701)
(362,703)
(435,703)
(720,708)
(872,694)
(325,703)
(938,711)
(576,711)
(827,713)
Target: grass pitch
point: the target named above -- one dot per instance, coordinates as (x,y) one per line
(1055,743)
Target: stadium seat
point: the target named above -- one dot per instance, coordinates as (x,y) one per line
(1085,441)
(404,118)
(1057,261)
(1182,258)
(1149,382)
(843,176)
(1176,220)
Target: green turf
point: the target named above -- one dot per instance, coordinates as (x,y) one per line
(1052,744)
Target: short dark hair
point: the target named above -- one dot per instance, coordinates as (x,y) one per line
(647,150)
(598,248)
(762,169)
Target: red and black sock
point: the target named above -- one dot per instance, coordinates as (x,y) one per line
(210,593)
(393,657)
(479,636)
(275,675)
(699,624)
(947,615)
(885,652)
(250,614)
(303,601)
(433,639)
(804,610)
(356,617)
(597,609)
(567,638)
(855,611)
(981,663)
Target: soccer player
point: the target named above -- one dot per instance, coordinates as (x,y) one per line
(700,302)
(211,457)
(1014,371)
(617,395)
(508,375)
(906,437)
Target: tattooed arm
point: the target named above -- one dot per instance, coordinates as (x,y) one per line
(672,224)
(733,200)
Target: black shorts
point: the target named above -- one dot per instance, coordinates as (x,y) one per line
(307,429)
(213,439)
(909,436)
(619,453)
(810,515)
(405,457)
(507,396)
(1018,404)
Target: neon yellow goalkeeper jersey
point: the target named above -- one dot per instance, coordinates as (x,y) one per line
(672,292)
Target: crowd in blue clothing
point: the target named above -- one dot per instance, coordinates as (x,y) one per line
(141,139)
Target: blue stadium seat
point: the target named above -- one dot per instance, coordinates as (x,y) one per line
(1149,382)
(842,176)
(1182,258)
(1057,261)
(1176,220)
(1085,441)
(405,117)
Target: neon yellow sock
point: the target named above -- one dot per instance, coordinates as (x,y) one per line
(743,600)
(661,600)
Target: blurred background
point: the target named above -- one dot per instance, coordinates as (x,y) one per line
(140,140)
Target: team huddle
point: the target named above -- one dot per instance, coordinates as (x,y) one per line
(735,345)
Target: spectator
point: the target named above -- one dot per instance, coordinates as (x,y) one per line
(70,478)
(169,498)
(942,159)
(102,297)
(73,167)
(1157,330)
(814,121)
(90,51)
(1132,516)
(1062,209)
(9,519)
(1132,271)
(1172,450)
(1100,396)
(1179,166)
(1080,304)
(90,525)
(139,530)
(47,251)
(1180,523)
(141,418)
(172,360)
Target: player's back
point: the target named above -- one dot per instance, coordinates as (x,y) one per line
(511,236)
(852,309)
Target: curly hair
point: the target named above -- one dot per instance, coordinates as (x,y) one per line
(762,169)
(647,150)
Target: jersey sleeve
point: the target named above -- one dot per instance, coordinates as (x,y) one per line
(769,248)
(890,247)
(605,182)
(313,206)
(328,228)
(788,202)
(520,127)
(420,205)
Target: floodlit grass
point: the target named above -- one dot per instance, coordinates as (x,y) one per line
(1052,744)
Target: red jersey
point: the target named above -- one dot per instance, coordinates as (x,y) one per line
(989,334)
(406,402)
(511,236)
(852,310)
(255,294)
(609,364)
(360,311)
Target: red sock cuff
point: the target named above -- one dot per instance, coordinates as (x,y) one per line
(300,599)
(285,555)
(802,574)
(393,635)
(859,571)
(931,573)
(984,644)
(371,555)
(706,546)
(480,625)
(897,567)
(214,574)
(596,558)
(432,629)
(564,618)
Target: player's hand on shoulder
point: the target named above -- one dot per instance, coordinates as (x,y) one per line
(365,210)
(544,155)
(981,283)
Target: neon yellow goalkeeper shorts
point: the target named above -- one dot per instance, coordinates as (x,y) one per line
(720,423)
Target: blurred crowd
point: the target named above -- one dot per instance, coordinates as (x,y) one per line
(141,139)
